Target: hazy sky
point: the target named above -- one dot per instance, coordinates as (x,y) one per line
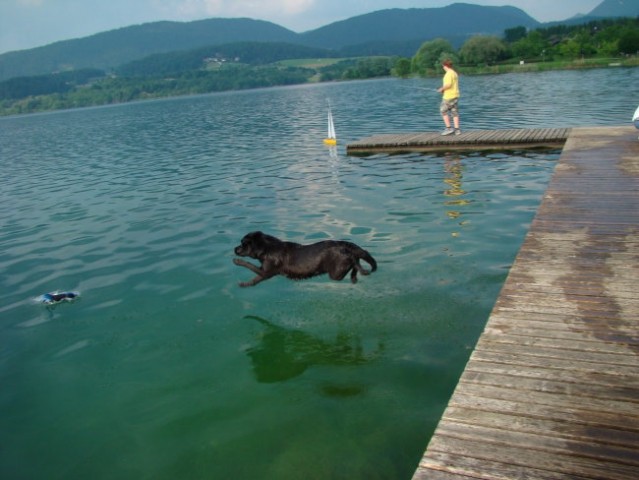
(32,23)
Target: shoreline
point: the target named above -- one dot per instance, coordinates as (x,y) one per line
(29,105)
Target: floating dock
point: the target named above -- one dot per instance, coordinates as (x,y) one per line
(551,390)
(475,140)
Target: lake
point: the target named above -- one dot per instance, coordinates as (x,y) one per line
(165,368)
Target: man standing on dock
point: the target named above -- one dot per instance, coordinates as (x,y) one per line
(450,98)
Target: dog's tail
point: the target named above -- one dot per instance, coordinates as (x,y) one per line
(364,255)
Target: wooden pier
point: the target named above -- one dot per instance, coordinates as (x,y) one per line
(551,390)
(475,140)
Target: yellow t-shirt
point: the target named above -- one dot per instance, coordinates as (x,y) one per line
(451,79)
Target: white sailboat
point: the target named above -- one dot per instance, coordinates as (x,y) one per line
(331,139)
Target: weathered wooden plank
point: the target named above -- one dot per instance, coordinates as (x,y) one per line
(589,446)
(543,369)
(561,351)
(526,337)
(565,369)
(549,285)
(552,401)
(554,323)
(599,315)
(586,455)
(518,453)
(595,252)
(541,425)
(552,387)
(440,466)
(468,140)
(600,304)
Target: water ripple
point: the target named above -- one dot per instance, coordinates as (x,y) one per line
(139,207)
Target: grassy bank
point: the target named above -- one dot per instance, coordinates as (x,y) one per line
(542,66)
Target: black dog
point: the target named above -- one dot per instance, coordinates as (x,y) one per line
(297,261)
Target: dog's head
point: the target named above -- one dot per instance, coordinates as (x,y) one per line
(252,245)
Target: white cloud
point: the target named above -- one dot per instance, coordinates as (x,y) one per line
(188,9)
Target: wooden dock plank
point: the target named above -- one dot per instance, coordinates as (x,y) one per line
(552,403)
(552,387)
(615,438)
(533,452)
(511,139)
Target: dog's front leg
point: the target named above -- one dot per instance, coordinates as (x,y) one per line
(250,266)
(253,282)
(261,274)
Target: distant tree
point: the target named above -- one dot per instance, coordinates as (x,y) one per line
(375,67)
(429,54)
(446,56)
(513,34)
(578,45)
(533,45)
(569,49)
(629,41)
(608,49)
(369,68)
(22,87)
(482,50)
(402,67)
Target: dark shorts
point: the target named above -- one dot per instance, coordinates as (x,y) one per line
(449,106)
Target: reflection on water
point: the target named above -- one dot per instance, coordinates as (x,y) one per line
(332,152)
(454,169)
(284,353)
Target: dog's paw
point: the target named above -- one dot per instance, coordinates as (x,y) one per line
(237,261)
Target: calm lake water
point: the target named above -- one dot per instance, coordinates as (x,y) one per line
(165,368)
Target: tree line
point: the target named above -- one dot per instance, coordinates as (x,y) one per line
(250,65)
(59,91)
(602,38)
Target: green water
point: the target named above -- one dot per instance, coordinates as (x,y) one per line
(165,368)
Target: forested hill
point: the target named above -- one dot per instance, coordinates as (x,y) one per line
(616,8)
(460,20)
(113,48)
(248,53)
(385,32)
(382,31)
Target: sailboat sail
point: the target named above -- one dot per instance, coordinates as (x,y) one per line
(332,138)
(331,125)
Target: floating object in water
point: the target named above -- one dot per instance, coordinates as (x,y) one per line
(54,298)
(332,138)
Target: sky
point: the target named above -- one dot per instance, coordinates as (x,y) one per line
(32,23)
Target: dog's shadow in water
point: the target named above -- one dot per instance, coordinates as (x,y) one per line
(283,353)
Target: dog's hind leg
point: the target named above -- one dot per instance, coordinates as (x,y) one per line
(339,271)
(361,269)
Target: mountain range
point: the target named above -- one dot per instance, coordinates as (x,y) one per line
(384,32)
